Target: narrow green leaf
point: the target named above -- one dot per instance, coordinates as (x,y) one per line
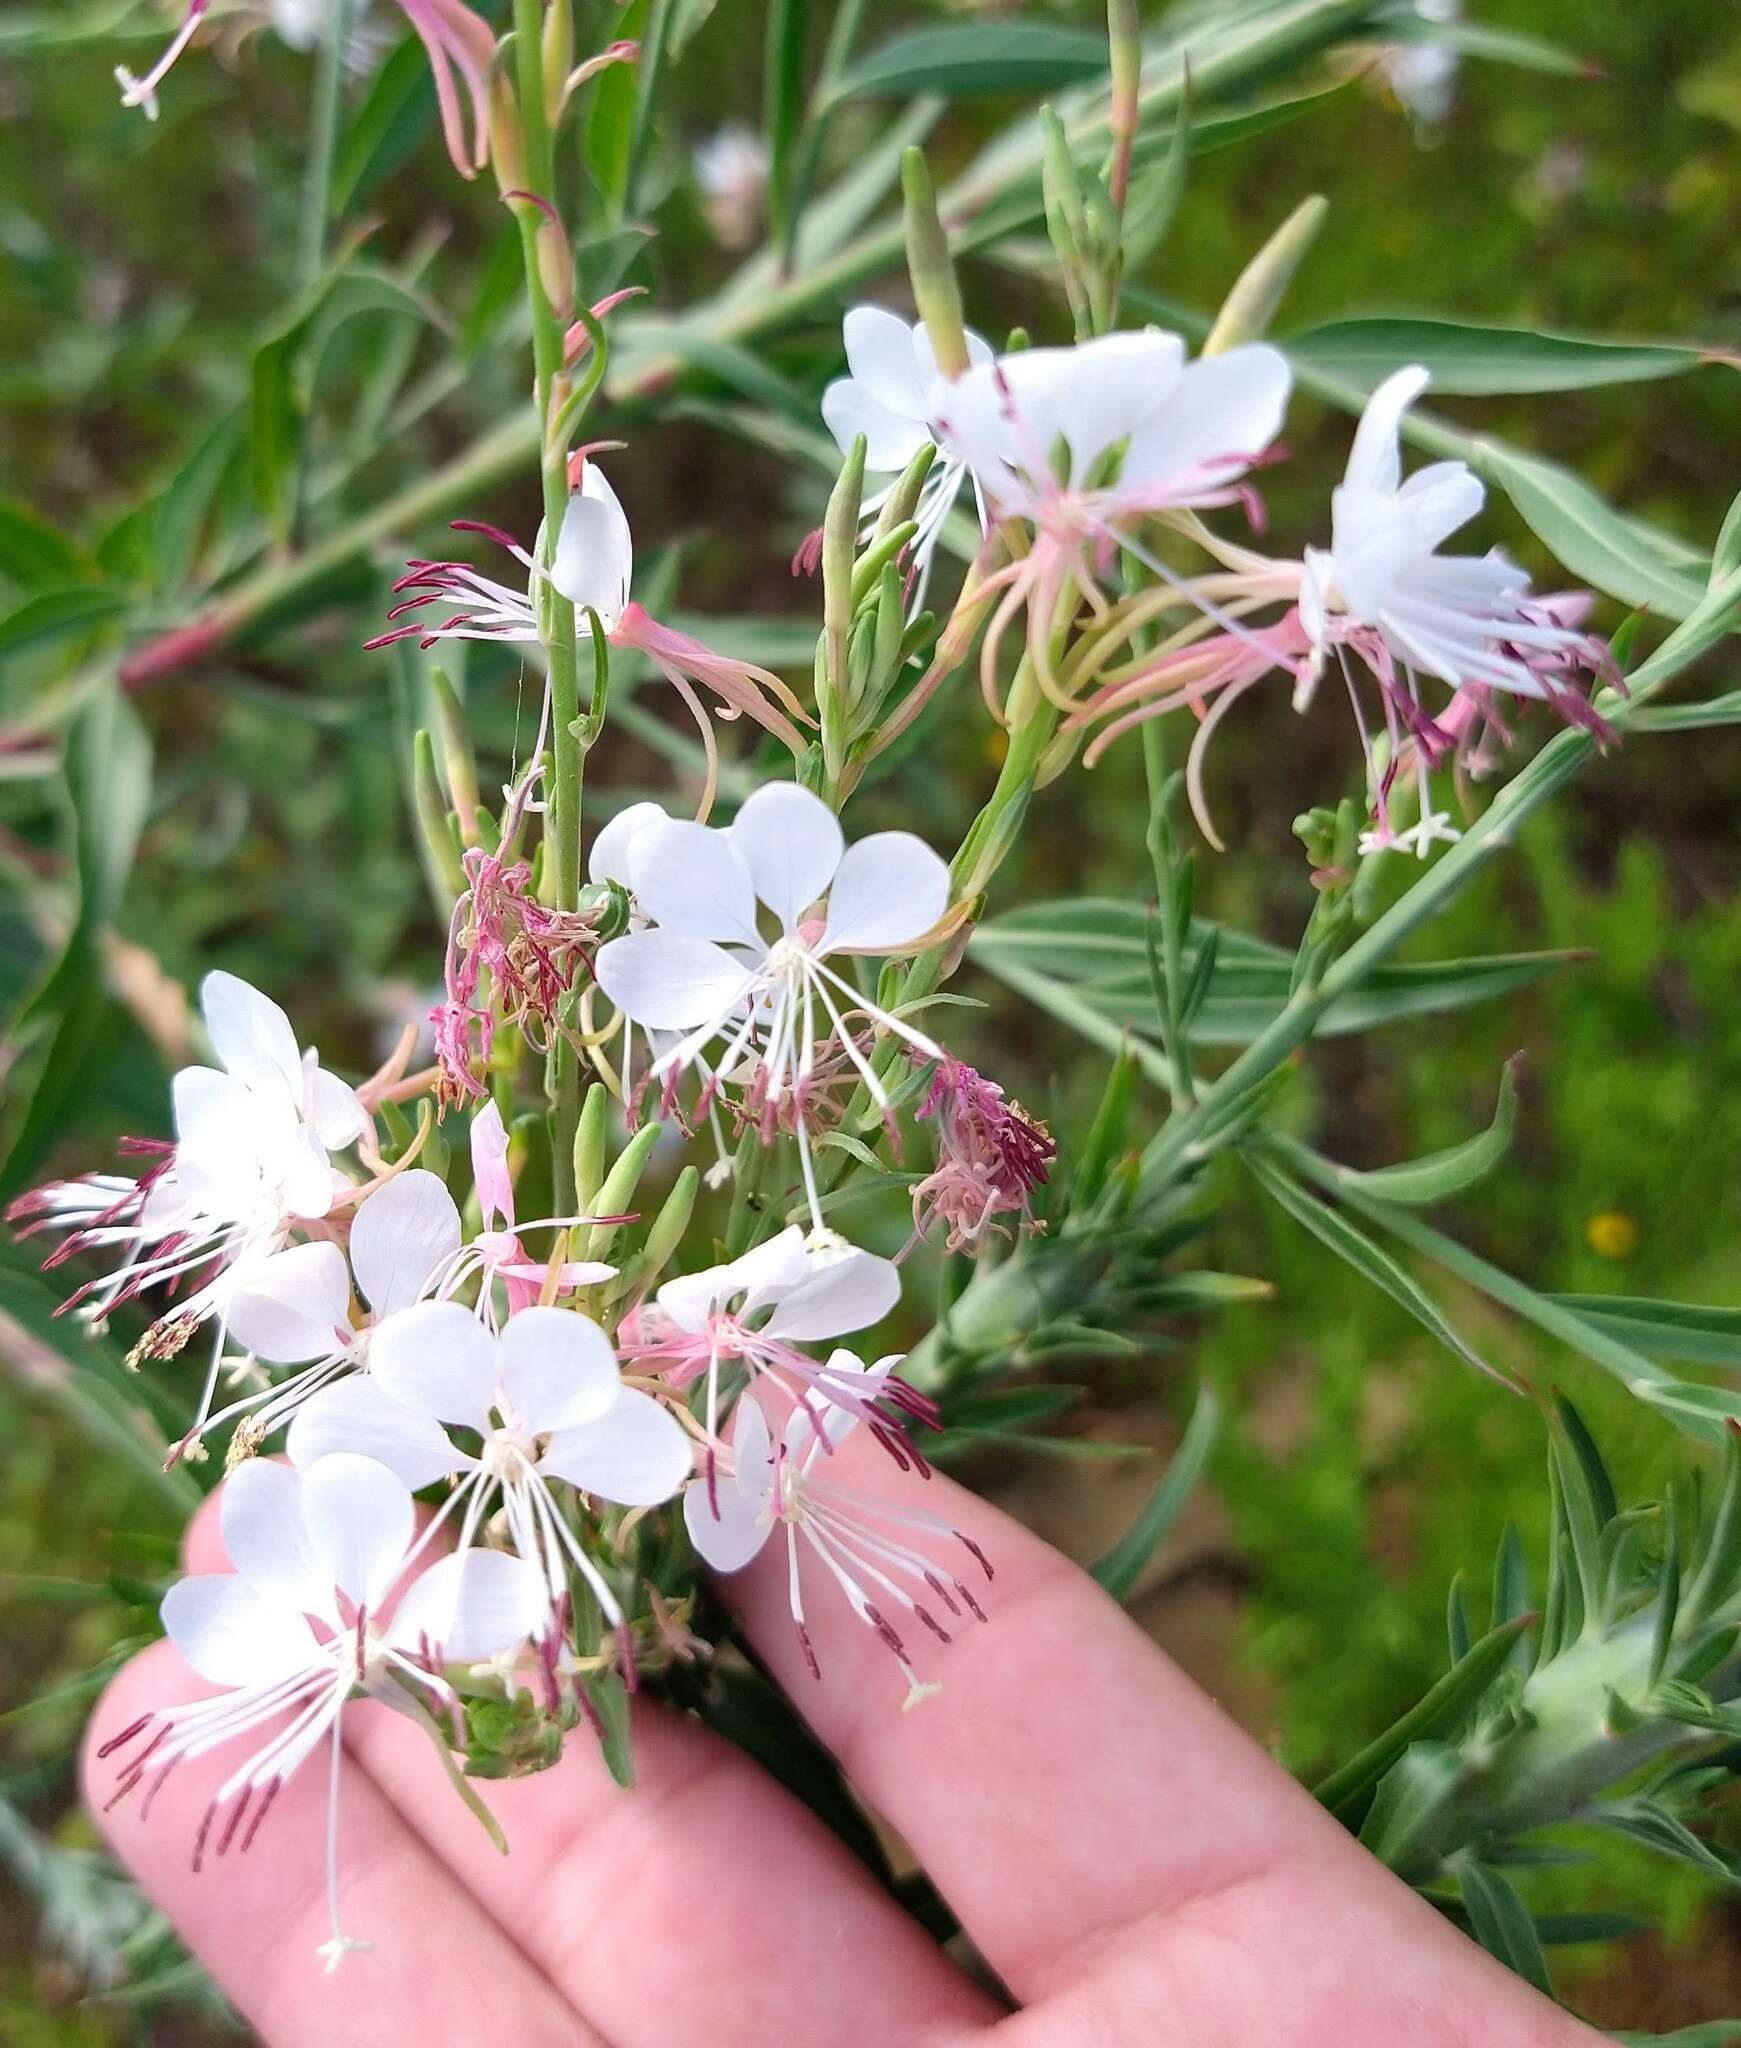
(1500,1921)
(1439,1712)
(1473,361)
(1668,1595)
(783,111)
(975,58)
(1121,1567)
(1678,1332)
(1440,1175)
(1510,1578)
(1332,1228)
(395,114)
(33,553)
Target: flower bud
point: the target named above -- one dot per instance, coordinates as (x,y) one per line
(669,1226)
(433,818)
(589,1145)
(619,1187)
(558,55)
(457,758)
(935,290)
(1251,305)
(507,136)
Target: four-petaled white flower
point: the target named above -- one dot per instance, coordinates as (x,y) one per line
(593,568)
(755,1311)
(892,397)
(547,1400)
(1079,438)
(294,1307)
(864,1541)
(1383,591)
(704,969)
(250,1161)
(1085,444)
(309,1620)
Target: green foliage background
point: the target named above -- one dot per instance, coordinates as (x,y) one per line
(1361,1471)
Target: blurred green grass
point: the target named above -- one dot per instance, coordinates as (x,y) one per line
(1363,1471)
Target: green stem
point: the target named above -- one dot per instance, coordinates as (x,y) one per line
(556,614)
(1163,859)
(329,80)
(1221,62)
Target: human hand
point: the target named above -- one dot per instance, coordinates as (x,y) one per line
(1129,1863)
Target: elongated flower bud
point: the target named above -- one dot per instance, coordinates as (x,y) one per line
(619,1187)
(589,1145)
(432,816)
(1249,308)
(931,267)
(558,56)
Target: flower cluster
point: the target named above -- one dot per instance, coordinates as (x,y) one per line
(1083,458)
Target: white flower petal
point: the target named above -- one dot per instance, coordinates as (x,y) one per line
(250,1034)
(791,843)
(332,1107)
(261,1519)
(979,350)
(1225,411)
(557,1368)
(890,890)
(667,981)
(609,861)
(637,1453)
(356,1415)
(752,1451)
(881,356)
(1435,501)
(691,879)
(816,1427)
(844,1291)
(891,439)
(303,1176)
(230,1636)
(403,1232)
(1375,461)
(438,1358)
(595,554)
(360,1518)
(292,1305)
(473,1605)
(726,1529)
(768,1270)
(1108,389)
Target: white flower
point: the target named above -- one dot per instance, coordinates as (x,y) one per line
(609,861)
(294,1307)
(705,970)
(325,1546)
(1422,72)
(548,1402)
(755,1311)
(249,1163)
(861,1539)
(1382,591)
(1115,427)
(892,398)
(731,170)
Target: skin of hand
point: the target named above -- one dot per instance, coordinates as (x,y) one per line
(1133,1868)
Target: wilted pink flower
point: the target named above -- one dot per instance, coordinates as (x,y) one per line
(992,1156)
(531,953)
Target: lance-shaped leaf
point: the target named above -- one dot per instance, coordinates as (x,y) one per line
(1439,1713)
(1440,1175)
(1677,1332)
(1370,1260)
(977,57)
(1121,1567)
(1501,1922)
(1472,361)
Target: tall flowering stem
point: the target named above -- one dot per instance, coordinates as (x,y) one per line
(537,217)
